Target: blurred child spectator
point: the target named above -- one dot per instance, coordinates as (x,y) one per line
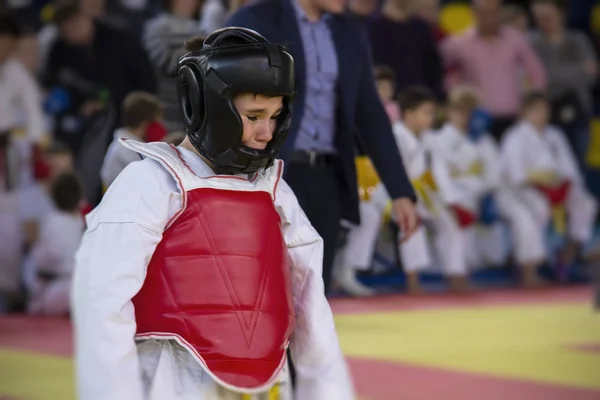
(386,86)
(542,167)
(53,254)
(140,111)
(35,201)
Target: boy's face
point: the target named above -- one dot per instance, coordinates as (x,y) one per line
(259,118)
(421,118)
(8,44)
(538,113)
(459,117)
(385,89)
(60,163)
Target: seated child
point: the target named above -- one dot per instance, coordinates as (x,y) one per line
(471,183)
(543,170)
(140,111)
(53,254)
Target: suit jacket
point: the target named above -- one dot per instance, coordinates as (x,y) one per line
(358,107)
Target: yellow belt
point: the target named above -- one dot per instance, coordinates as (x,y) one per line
(272,394)
(559,219)
(367,177)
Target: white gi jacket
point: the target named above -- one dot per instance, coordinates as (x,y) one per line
(123,232)
(457,168)
(416,158)
(526,151)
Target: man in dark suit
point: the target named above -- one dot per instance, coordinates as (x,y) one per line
(336,95)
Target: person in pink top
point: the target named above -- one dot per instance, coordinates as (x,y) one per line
(491,57)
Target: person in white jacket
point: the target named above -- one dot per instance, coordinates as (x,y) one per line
(198,269)
(542,168)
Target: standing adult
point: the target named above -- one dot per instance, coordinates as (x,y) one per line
(336,94)
(406,44)
(572,69)
(492,57)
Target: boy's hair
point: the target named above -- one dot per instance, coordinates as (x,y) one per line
(463,98)
(66,192)
(9,24)
(140,107)
(384,73)
(414,97)
(534,97)
(64,10)
(194,44)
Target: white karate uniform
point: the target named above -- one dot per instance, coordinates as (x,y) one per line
(414,253)
(361,241)
(19,96)
(117,157)
(528,242)
(526,150)
(11,242)
(54,252)
(122,234)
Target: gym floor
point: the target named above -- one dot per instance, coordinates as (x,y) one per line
(502,344)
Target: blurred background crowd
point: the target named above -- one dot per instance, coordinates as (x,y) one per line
(76,75)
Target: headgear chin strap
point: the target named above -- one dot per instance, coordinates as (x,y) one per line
(231,61)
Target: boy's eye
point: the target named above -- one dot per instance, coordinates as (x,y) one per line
(252,118)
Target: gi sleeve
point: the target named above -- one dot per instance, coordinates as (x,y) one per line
(513,163)
(321,371)
(111,263)
(31,101)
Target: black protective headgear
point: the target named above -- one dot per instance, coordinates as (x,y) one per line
(231,61)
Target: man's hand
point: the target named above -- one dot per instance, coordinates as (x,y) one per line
(405,214)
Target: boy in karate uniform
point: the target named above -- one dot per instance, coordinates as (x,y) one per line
(53,254)
(469,177)
(199,265)
(543,170)
(418,110)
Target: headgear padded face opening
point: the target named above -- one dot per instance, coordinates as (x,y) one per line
(231,61)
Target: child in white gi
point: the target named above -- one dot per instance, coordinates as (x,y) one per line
(53,254)
(543,170)
(139,110)
(470,180)
(199,264)
(418,110)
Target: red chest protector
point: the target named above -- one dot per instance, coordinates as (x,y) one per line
(218,282)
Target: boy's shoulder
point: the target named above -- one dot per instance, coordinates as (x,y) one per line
(141,194)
